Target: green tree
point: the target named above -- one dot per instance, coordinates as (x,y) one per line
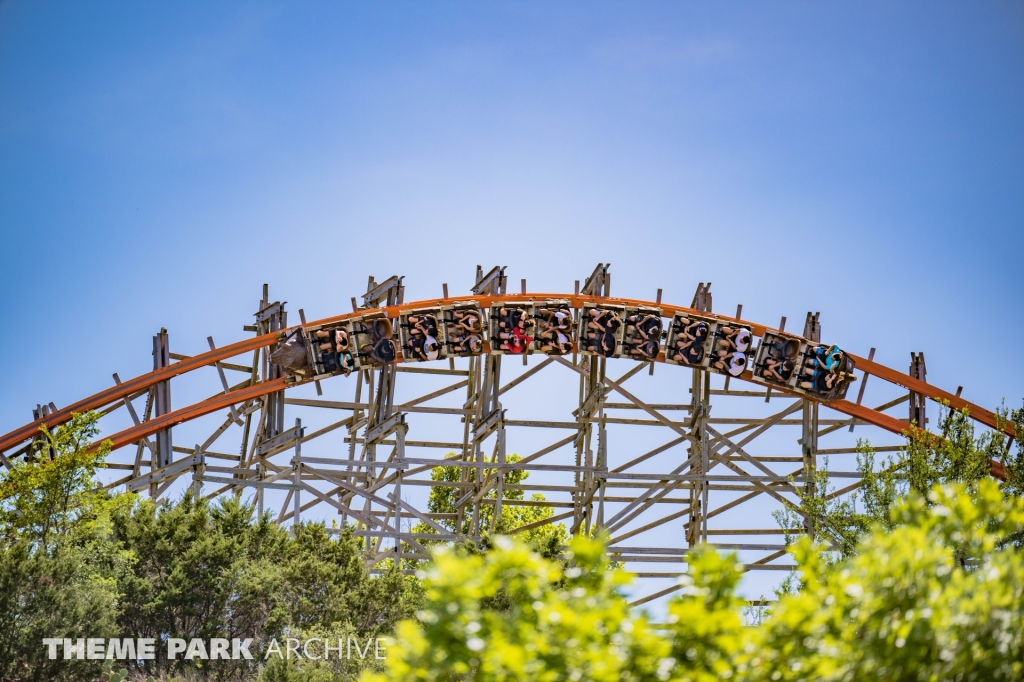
(959,454)
(78,561)
(51,497)
(59,563)
(905,607)
(564,622)
(218,570)
(549,538)
(902,607)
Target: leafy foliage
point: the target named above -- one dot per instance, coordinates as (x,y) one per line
(58,594)
(569,623)
(903,607)
(50,497)
(216,570)
(79,561)
(59,571)
(960,456)
(920,578)
(549,538)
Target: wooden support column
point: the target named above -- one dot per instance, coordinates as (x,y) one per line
(499,489)
(809,426)
(472,401)
(918,414)
(39,412)
(271,317)
(400,460)
(261,475)
(164,453)
(297,476)
(381,409)
(486,416)
(353,431)
(602,463)
(699,450)
(198,471)
(863,385)
(590,411)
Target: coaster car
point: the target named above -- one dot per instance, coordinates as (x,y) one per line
(463,329)
(329,350)
(554,328)
(827,371)
(422,336)
(513,329)
(642,335)
(600,330)
(777,358)
(374,337)
(690,340)
(732,350)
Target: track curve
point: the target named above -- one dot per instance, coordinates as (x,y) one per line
(107,397)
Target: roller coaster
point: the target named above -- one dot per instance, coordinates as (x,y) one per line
(701,482)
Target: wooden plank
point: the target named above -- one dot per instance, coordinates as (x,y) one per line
(430,396)
(247,483)
(541,522)
(524,376)
(225,365)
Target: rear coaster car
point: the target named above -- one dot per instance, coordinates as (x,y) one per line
(422,335)
(601,329)
(690,340)
(641,339)
(463,329)
(291,354)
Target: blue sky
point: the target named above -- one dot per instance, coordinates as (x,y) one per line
(160,161)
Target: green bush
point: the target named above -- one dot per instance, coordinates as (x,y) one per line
(939,596)
(216,570)
(925,582)
(79,561)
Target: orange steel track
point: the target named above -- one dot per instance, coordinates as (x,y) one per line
(134,434)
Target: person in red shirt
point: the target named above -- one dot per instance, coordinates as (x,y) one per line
(515,341)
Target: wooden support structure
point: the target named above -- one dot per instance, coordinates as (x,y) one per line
(632,456)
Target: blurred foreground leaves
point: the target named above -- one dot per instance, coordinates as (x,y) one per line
(938,595)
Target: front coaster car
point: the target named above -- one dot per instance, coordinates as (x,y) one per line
(330,350)
(826,371)
(814,369)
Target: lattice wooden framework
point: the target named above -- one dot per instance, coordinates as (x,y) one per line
(636,453)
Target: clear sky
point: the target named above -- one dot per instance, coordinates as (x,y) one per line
(160,161)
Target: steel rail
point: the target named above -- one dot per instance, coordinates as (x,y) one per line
(145,381)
